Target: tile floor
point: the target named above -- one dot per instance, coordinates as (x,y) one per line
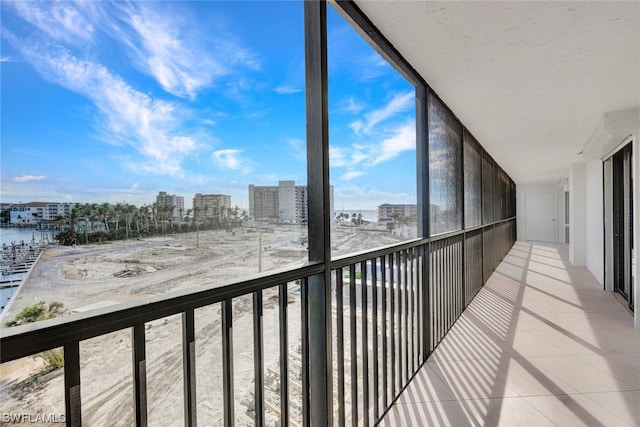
(541,345)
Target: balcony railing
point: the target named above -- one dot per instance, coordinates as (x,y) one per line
(390,309)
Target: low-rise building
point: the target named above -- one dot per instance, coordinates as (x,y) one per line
(389,213)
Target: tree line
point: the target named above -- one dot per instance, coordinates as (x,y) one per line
(93,223)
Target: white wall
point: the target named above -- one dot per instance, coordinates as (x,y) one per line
(577,214)
(594,220)
(521,191)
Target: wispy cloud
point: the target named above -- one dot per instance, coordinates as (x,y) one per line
(403,139)
(29,178)
(60,21)
(359,158)
(298,148)
(127,116)
(231,158)
(5,59)
(180,60)
(178,66)
(351,175)
(287,90)
(399,103)
(350,106)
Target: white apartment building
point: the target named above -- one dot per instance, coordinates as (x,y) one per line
(207,206)
(287,202)
(164,199)
(36,213)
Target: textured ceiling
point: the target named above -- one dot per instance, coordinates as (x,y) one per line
(529,79)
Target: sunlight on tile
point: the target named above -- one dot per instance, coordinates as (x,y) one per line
(574,410)
(624,404)
(540,344)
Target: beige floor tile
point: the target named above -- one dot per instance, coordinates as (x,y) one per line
(625,367)
(574,410)
(624,404)
(472,379)
(426,386)
(579,374)
(526,344)
(596,341)
(599,320)
(506,412)
(393,418)
(436,414)
(471,346)
(527,380)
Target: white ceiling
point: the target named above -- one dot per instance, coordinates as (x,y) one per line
(530,79)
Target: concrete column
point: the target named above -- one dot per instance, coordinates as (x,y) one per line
(577,215)
(594,219)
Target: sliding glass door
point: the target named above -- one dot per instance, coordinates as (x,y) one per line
(619,222)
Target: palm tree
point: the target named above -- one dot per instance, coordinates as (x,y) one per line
(117,210)
(154,213)
(188,215)
(128,218)
(103,211)
(72,218)
(144,213)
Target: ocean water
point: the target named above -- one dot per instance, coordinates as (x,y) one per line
(370,215)
(18,235)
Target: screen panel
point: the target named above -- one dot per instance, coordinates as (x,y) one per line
(445,169)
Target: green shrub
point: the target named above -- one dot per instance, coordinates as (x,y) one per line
(53,359)
(37,312)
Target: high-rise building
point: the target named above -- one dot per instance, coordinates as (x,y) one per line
(209,206)
(177,202)
(286,202)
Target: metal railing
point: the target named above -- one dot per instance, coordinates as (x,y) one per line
(390,308)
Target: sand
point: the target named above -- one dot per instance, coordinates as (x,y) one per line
(89,276)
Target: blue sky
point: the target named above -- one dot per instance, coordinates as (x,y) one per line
(113,102)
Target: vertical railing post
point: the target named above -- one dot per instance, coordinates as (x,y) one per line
(320,215)
(73,409)
(258,359)
(227,362)
(189,367)
(284,354)
(139,374)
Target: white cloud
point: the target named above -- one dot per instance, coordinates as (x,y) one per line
(230,158)
(176,55)
(61,21)
(403,139)
(338,156)
(29,178)
(350,106)
(362,156)
(178,66)
(287,90)
(5,59)
(128,117)
(398,103)
(351,175)
(298,148)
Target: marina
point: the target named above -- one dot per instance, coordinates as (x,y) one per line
(20,251)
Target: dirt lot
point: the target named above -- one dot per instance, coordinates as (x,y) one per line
(89,276)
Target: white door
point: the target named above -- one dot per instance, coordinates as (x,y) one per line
(540,217)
